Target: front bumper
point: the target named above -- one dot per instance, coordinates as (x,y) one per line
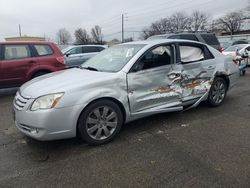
(51,124)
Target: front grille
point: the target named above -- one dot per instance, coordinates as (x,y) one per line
(20,101)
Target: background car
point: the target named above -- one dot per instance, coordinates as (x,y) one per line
(243,41)
(243,50)
(225,45)
(22,61)
(207,38)
(78,54)
(121,84)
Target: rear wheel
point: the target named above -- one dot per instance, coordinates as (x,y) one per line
(100,122)
(217,92)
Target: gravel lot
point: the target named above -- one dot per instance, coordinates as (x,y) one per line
(202,147)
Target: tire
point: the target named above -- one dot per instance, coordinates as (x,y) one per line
(217,92)
(40,73)
(100,122)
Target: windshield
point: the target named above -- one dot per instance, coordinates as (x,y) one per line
(64,50)
(114,58)
(233,48)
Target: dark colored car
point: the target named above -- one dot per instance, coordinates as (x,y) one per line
(204,37)
(22,61)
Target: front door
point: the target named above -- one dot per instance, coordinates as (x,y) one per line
(74,56)
(150,80)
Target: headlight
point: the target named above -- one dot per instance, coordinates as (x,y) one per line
(46,102)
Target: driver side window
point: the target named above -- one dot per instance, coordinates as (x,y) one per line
(159,56)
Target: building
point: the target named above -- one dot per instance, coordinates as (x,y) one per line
(25,38)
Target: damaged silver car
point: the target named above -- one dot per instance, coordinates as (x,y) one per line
(121,84)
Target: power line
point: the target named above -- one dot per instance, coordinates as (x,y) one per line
(153,13)
(136,25)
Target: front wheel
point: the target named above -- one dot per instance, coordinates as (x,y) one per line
(100,122)
(217,92)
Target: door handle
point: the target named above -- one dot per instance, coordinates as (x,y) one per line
(210,67)
(173,75)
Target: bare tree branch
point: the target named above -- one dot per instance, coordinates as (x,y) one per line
(198,21)
(63,36)
(81,36)
(231,22)
(96,33)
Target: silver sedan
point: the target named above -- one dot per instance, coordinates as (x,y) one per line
(121,84)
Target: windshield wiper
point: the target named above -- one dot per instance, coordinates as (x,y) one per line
(90,68)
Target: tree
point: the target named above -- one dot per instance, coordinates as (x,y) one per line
(198,21)
(63,36)
(96,33)
(231,22)
(81,36)
(147,32)
(130,39)
(179,21)
(161,26)
(176,22)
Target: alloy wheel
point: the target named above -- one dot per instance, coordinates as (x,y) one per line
(218,92)
(101,123)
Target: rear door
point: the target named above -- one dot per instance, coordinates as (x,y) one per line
(74,56)
(198,65)
(89,51)
(150,80)
(17,61)
(1,70)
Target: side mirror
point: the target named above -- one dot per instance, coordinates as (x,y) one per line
(67,54)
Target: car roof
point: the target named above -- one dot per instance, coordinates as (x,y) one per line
(26,42)
(241,45)
(82,45)
(160,41)
(182,33)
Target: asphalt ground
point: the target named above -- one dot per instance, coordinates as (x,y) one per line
(202,147)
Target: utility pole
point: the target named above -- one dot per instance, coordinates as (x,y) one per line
(122,28)
(20,30)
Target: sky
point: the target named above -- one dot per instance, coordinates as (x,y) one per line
(46,17)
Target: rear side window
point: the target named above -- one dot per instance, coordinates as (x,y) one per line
(90,49)
(76,50)
(43,49)
(210,39)
(194,53)
(174,37)
(100,48)
(16,51)
(189,37)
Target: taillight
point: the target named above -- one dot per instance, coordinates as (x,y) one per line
(234,61)
(60,60)
(220,49)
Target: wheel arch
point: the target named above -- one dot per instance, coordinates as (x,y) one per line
(34,72)
(224,76)
(119,103)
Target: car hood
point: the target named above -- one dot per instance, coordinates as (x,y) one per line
(62,81)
